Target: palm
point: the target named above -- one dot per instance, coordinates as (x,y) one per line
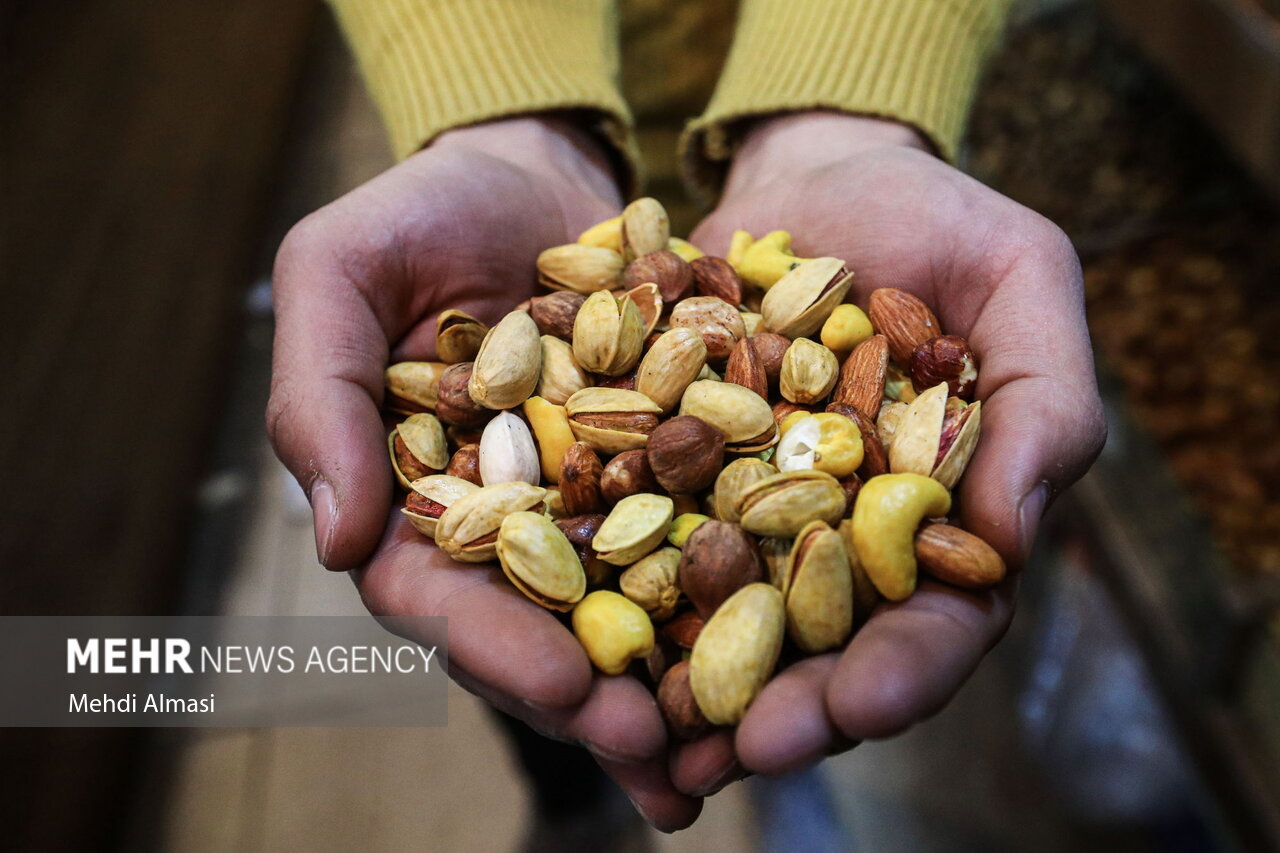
(1007,280)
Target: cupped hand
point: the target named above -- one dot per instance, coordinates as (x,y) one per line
(359,285)
(868,192)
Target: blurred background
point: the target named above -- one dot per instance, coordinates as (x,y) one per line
(155,153)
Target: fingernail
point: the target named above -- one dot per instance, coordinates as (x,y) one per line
(324,509)
(609,755)
(732,773)
(1029,513)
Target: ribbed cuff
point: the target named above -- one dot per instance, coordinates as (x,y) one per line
(432,65)
(914,61)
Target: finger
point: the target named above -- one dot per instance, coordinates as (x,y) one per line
(787,727)
(323,413)
(703,766)
(496,635)
(649,788)
(1042,419)
(910,658)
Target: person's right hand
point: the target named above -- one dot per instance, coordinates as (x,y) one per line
(359,285)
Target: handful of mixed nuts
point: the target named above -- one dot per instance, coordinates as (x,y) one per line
(712,462)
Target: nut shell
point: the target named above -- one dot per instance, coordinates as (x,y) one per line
(671,364)
(540,561)
(799,303)
(423,438)
(608,334)
(783,504)
(561,375)
(612,420)
(634,528)
(458,336)
(809,372)
(412,386)
(579,268)
(742,416)
(440,491)
(736,653)
(507,452)
(819,590)
(508,364)
(652,582)
(468,529)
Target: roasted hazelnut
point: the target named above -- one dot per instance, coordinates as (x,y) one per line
(554,313)
(946,358)
(718,560)
(455,406)
(670,272)
(716,277)
(770,349)
(685,454)
(580,530)
(465,464)
(627,474)
(684,718)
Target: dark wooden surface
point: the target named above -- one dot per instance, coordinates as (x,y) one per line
(140,139)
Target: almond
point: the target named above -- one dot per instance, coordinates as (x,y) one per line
(861,383)
(875,461)
(903,319)
(746,369)
(958,557)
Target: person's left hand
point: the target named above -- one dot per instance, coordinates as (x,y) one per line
(865,191)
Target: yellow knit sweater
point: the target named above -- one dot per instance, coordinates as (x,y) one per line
(436,64)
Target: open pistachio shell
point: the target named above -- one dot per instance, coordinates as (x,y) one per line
(562,376)
(648,301)
(743,417)
(608,334)
(799,303)
(818,590)
(635,527)
(441,489)
(612,420)
(733,480)
(413,386)
(424,437)
(915,441)
(468,530)
(540,561)
(956,458)
(783,504)
(736,652)
(458,336)
(579,268)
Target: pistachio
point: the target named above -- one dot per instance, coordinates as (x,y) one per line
(685,454)
(733,480)
(508,364)
(809,372)
(736,652)
(719,559)
(561,376)
(645,228)
(550,425)
(752,322)
(627,474)
(818,590)
(783,504)
(742,416)
(612,420)
(417,448)
(679,710)
(412,386)
(608,334)
(430,496)
(455,406)
(800,302)
(775,552)
(554,313)
(458,336)
(930,440)
(887,422)
(672,362)
(582,269)
(634,528)
(652,582)
(612,630)
(540,561)
(682,527)
(468,529)
(719,323)
(465,464)
(507,452)
(580,473)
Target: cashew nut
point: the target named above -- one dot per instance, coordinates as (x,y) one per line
(889,509)
(762,262)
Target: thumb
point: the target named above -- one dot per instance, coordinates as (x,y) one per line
(323,416)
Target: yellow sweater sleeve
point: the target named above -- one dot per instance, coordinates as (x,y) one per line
(914,61)
(432,65)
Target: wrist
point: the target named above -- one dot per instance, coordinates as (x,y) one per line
(783,144)
(570,159)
